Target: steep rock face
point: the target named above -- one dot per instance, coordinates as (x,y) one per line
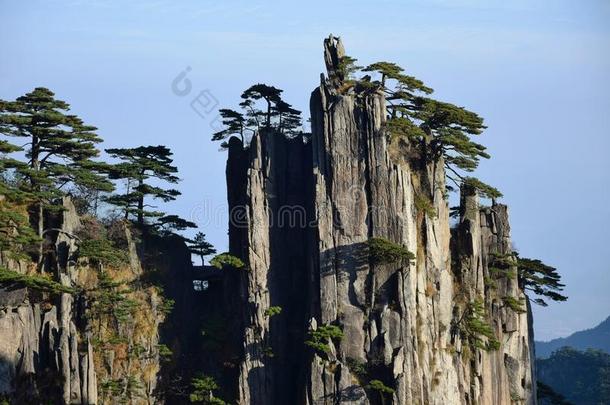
(405,324)
(43,354)
(53,347)
(269,228)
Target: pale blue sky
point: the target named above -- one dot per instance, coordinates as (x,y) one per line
(539,72)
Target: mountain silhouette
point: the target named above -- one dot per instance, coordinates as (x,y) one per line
(594,338)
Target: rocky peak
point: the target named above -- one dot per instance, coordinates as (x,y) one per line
(404,325)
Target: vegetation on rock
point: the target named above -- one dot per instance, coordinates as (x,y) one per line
(200,246)
(276,116)
(517,305)
(433,129)
(541,279)
(34,281)
(319,338)
(381,388)
(227,260)
(137,167)
(475,328)
(59,151)
(202,391)
(272,311)
(383,251)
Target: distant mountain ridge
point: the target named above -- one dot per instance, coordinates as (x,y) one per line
(595,338)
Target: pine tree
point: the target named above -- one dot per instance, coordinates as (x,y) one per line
(58,148)
(235,124)
(167,224)
(137,167)
(437,129)
(270,94)
(201,247)
(289,119)
(278,116)
(541,279)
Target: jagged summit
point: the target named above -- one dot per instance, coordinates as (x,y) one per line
(440,328)
(344,282)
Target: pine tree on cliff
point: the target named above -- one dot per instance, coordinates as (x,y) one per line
(59,150)
(271,96)
(16,235)
(289,119)
(276,114)
(137,167)
(201,247)
(438,129)
(235,124)
(541,279)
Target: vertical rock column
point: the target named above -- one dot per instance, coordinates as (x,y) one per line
(394,317)
(269,230)
(482,238)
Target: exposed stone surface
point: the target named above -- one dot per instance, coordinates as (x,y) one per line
(403,321)
(42,351)
(270,211)
(46,339)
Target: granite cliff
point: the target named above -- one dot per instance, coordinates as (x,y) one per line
(82,332)
(302,213)
(311,317)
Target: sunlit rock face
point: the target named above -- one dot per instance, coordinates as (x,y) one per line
(54,349)
(402,323)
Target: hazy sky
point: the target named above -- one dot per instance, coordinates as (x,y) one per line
(538,71)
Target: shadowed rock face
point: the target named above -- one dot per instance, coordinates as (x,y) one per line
(43,350)
(47,354)
(402,321)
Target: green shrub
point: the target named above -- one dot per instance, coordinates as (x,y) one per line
(490,282)
(102,251)
(497,273)
(357,367)
(484,190)
(272,311)
(111,298)
(476,329)
(380,387)
(116,340)
(424,204)
(202,391)
(111,387)
(502,266)
(167,306)
(319,338)
(36,282)
(137,350)
(268,352)
(383,251)
(227,260)
(517,305)
(165,353)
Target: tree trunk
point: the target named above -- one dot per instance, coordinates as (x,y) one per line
(127,204)
(35,165)
(141,204)
(268,114)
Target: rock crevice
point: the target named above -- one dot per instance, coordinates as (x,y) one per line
(402,323)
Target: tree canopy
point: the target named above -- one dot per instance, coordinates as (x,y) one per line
(541,279)
(435,129)
(201,247)
(262,109)
(57,149)
(137,167)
